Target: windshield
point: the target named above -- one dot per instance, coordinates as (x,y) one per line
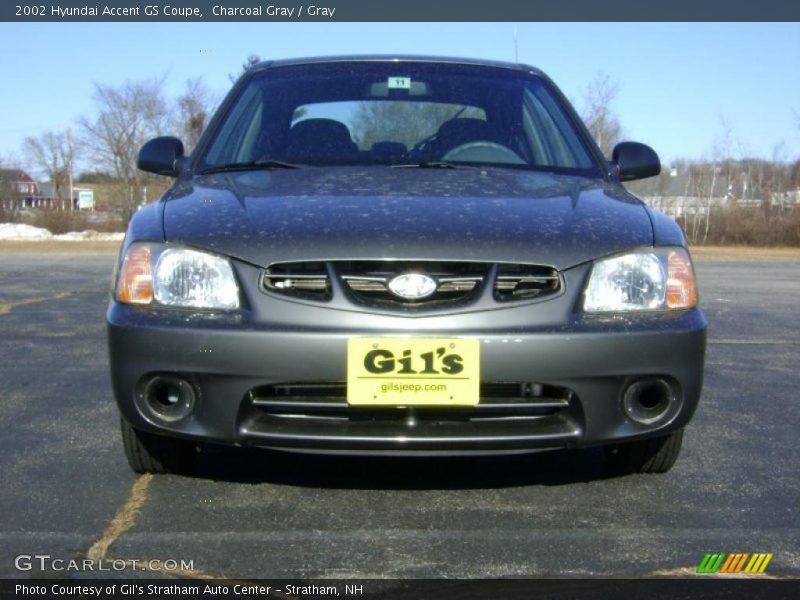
(405,113)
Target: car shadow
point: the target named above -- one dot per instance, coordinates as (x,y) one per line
(550,468)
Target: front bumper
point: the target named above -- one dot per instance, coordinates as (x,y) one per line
(236,366)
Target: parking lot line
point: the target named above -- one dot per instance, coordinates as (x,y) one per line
(755,342)
(123,520)
(6,308)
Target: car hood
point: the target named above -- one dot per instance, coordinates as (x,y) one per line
(497,215)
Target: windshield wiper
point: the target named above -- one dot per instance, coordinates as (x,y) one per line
(428,164)
(248,166)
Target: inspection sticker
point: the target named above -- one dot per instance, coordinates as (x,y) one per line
(399,83)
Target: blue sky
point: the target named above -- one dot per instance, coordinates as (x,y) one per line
(676,80)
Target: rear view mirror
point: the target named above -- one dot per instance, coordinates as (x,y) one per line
(161,155)
(635,161)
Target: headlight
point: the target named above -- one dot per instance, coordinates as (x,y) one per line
(659,280)
(194,279)
(177,277)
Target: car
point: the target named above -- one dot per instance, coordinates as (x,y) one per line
(405,256)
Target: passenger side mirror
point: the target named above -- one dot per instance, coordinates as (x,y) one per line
(635,161)
(161,155)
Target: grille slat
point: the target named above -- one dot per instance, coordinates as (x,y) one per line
(364,284)
(457,283)
(307,280)
(329,400)
(520,282)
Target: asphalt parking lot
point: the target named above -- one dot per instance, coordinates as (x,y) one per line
(66,490)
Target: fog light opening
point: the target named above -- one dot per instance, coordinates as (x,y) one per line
(169,398)
(648,400)
(651,397)
(166,395)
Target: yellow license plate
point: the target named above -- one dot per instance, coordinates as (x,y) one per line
(413,372)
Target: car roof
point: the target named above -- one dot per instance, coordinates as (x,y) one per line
(399,58)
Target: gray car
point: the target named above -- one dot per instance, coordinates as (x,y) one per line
(405,256)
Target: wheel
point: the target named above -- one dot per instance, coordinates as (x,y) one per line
(483,152)
(149,453)
(654,455)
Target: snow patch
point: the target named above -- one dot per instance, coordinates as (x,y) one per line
(77,236)
(20,231)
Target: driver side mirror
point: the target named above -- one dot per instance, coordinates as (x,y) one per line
(635,161)
(162,156)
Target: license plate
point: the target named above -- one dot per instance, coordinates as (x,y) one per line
(413,372)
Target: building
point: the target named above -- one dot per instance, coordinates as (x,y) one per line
(49,199)
(695,189)
(17,187)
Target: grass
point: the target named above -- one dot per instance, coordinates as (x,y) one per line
(58,247)
(703,253)
(745,253)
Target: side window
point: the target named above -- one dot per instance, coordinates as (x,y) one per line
(239,136)
(553,141)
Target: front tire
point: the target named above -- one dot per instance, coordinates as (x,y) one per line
(653,455)
(149,453)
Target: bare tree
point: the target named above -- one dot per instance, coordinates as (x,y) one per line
(794,175)
(249,63)
(127,116)
(723,151)
(700,185)
(194,108)
(53,154)
(597,114)
(777,182)
(710,200)
(720,166)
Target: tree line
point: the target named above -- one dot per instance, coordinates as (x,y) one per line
(722,198)
(123,118)
(726,197)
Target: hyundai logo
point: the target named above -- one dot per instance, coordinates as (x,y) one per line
(412,286)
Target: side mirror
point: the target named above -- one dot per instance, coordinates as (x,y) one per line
(635,161)
(161,155)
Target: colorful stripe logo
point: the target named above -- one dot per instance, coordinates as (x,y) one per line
(734,562)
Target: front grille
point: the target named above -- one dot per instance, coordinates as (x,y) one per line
(367,282)
(328,400)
